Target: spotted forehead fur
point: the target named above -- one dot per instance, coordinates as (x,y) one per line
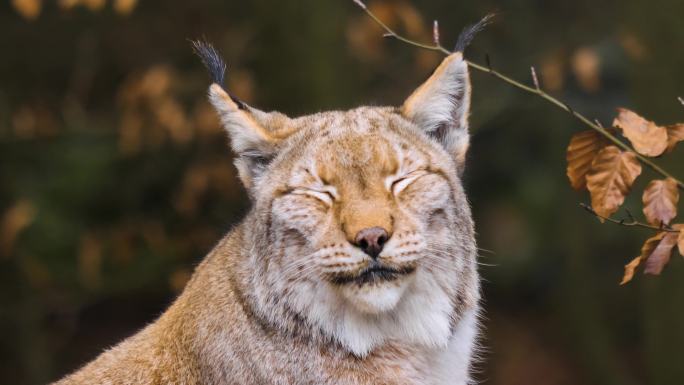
(379,139)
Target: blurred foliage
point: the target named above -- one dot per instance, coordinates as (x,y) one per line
(115,178)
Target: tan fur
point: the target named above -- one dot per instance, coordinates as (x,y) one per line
(264,306)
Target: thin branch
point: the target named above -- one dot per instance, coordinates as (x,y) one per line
(681,100)
(435,32)
(533,90)
(534,78)
(629,215)
(631,223)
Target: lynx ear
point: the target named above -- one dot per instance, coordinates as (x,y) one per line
(255,135)
(440,106)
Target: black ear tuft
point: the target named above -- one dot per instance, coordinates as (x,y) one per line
(469,32)
(211,59)
(215,65)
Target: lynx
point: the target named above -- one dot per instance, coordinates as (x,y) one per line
(355,265)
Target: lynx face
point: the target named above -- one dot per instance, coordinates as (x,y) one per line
(364,205)
(361,229)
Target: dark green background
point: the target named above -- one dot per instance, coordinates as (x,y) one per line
(112,225)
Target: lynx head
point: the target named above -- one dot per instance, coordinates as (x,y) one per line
(360,231)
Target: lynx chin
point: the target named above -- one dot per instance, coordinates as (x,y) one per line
(355,265)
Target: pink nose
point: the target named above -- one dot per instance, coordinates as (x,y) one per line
(371,240)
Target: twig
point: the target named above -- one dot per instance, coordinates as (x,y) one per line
(631,223)
(435,33)
(680,100)
(534,78)
(630,216)
(533,90)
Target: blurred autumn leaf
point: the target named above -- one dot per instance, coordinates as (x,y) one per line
(552,70)
(29,9)
(16,218)
(124,7)
(152,112)
(364,36)
(34,121)
(93,5)
(632,45)
(586,65)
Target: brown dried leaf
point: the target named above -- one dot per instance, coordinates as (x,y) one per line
(651,244)
(680,239)
(675,134)
(647,137)
(581,152)
(661,254)
(660,201)
(630,268)
(610,178)
(646,251)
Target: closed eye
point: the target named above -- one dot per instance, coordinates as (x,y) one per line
(327,196)
(397,184)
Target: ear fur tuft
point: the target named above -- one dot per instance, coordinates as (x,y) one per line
(469,32)
(215,65)
(211,59)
